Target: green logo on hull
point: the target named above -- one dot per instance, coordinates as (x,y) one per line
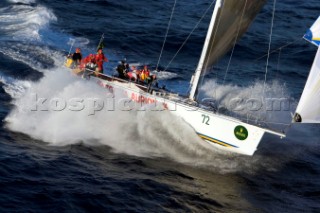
(241,133)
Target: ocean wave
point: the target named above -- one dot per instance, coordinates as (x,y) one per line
(23,1)
(23,22)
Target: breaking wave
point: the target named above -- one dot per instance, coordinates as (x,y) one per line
(23,22)
(23,1)
(38,57)
(15,88)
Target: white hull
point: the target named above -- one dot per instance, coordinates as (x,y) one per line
(218,130)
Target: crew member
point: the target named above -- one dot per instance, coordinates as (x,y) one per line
(89,62)
(145,74)
(100,58)
(122,69)
(132,74)
(77,57)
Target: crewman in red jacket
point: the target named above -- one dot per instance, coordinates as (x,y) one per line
(100,58)
(89,62)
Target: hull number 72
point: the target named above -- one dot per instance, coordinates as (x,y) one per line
(205,119)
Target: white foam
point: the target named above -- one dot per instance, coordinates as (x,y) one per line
(24,21)
(23,1)
(15,88)
(165,75)
(266,101)
(114,128)
(36,57)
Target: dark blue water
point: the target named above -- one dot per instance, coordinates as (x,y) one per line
(140,161)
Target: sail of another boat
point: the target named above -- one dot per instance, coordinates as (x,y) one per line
(308,110)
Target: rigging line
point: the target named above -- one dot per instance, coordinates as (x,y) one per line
(185,41)
(165,37)
(73,41)
(269,49)
(225,75)
(279,48)
(279,60)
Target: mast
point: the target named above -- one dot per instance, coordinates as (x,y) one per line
(196,76)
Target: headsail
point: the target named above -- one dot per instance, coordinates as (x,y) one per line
(230,20)
(313,34)
(308,110)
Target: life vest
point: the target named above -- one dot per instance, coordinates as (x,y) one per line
(68,62)
(147,73)
(143,75)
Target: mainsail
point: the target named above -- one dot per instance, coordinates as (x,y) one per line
(308,110)
(230,20)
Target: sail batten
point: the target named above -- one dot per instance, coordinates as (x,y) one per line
(230,20)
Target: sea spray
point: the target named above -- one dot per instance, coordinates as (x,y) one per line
(43,118)
(140,131)
(256,103)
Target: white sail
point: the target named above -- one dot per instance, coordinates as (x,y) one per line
(230,20)
(313,34)
(308,110)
